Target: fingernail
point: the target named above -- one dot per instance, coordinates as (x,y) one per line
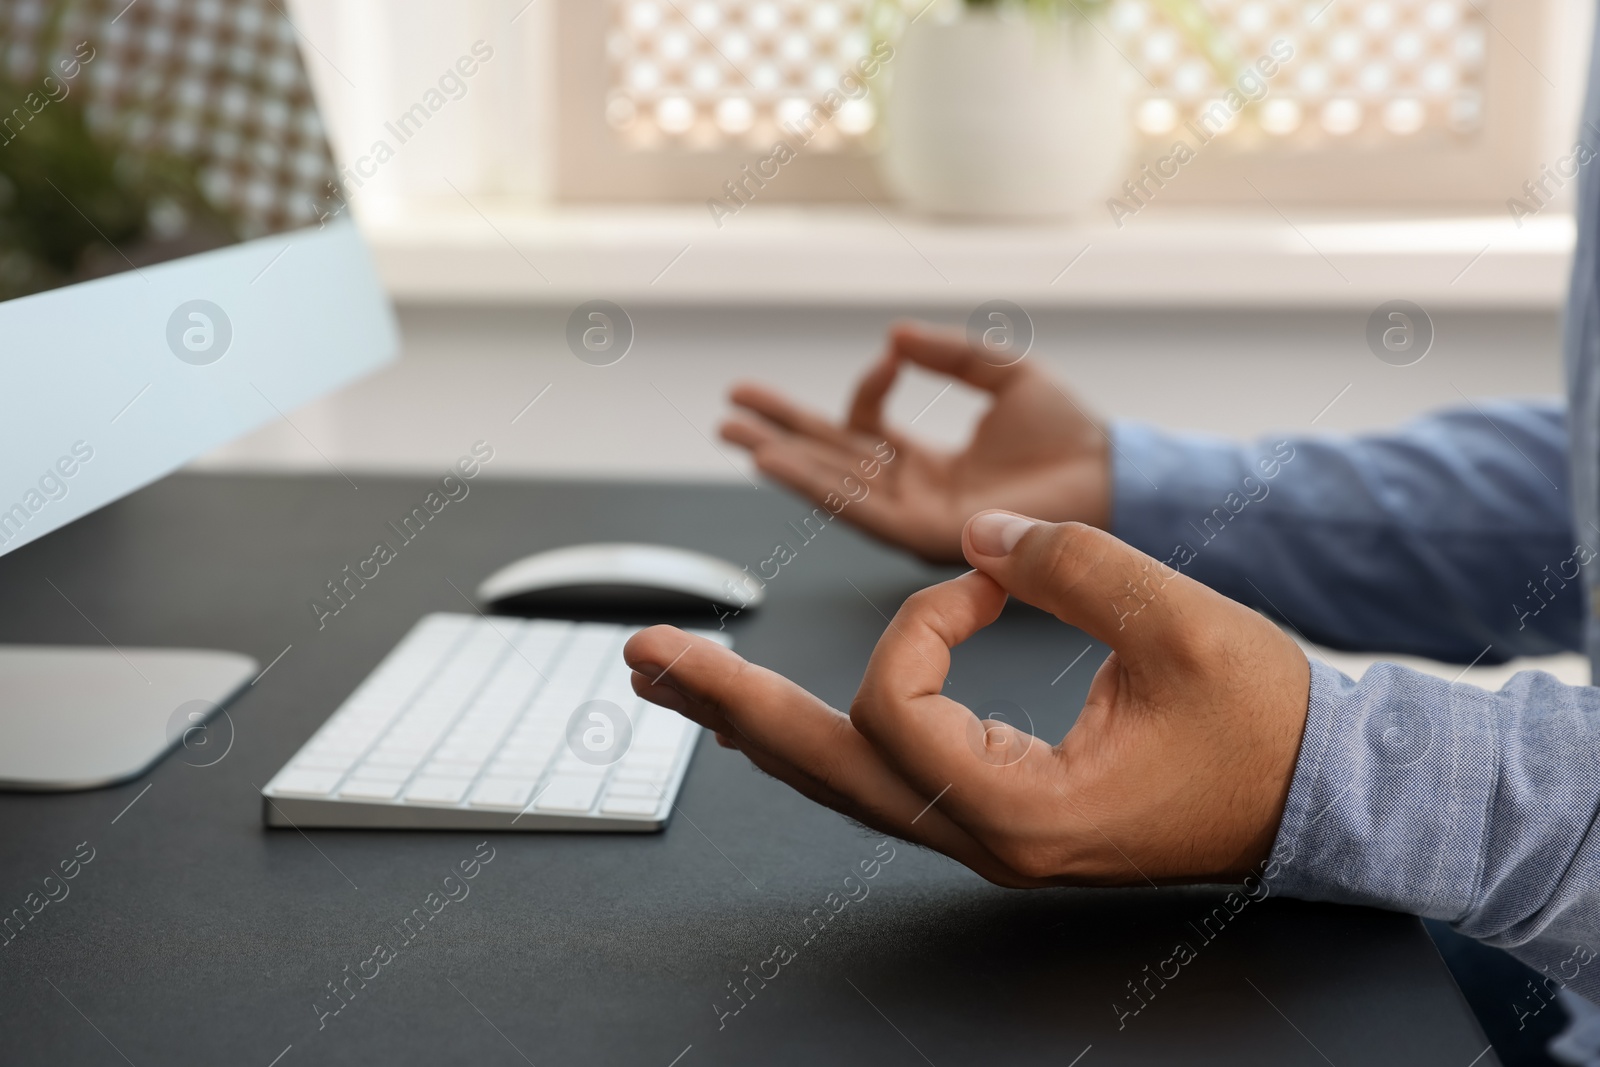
(997,532)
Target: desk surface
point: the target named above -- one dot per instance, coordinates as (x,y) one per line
(197,936)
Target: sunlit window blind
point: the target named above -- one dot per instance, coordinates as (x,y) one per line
(701,74)
(1371,73)
(708,74)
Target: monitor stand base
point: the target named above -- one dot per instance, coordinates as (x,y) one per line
(84,718)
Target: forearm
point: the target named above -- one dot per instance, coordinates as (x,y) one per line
(1417,795)
(1442,539)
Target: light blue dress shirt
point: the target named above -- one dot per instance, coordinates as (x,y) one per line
(1473,534)
(1443,539)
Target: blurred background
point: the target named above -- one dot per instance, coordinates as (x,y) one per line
(1197,205)
(625,150)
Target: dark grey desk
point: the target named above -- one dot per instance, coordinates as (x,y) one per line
(197,936)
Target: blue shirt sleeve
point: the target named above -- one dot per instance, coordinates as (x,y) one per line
(1446,538)
(1415,794)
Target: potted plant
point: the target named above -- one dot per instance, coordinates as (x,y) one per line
(1010,109)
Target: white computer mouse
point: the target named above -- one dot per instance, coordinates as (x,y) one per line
(620,577)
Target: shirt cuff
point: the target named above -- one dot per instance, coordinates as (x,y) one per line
(1389,805)
(1158,478)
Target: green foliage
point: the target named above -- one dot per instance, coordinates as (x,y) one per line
(59,192)
(1203,34)
(886,17)
(74,200)
(1085,9)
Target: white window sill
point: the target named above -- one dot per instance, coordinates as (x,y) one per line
(793,255)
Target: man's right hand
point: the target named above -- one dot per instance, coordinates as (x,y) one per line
(1035,451)
(1177,770)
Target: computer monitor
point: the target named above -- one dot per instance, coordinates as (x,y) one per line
(176,269)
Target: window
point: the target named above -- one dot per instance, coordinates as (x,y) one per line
(720,72)
(1440,105)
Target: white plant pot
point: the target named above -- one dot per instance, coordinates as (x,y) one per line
(996,116)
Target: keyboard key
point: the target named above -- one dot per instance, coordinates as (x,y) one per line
(379,773)
(569,793)
(384,758)
(654,775)
(570,764)
(516,767)
(464,751)
(628,806)
(458,771)
(660,732)
(544,741)
(438,790)
(369,789)
(490,727)
(498,793)
(306,783)
(635,790)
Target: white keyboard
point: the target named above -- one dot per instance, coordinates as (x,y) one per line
(492,723)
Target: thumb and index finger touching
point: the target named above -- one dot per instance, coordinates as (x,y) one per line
(937,351)
(1144,610)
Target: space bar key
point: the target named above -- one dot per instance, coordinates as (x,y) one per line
(575,793)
